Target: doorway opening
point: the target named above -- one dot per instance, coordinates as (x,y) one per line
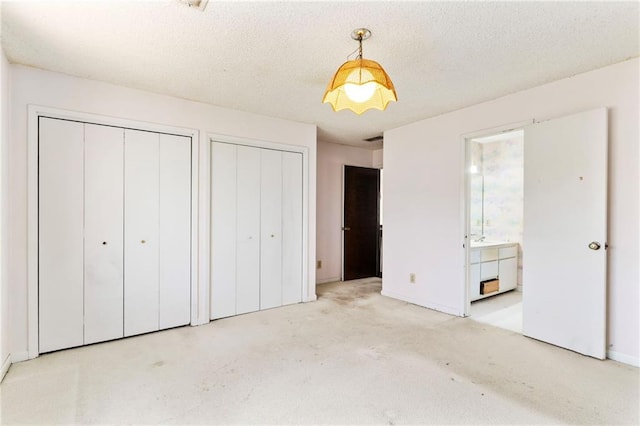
(495,198)
(361,223)
(563,226)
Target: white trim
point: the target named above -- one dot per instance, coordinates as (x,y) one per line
(342,205)
(32,231)
(308,271)
(328,280)
(465,193)
(429,305)
(19,356)
(196,282)
(498,129)
(85,117)
(204,215)
(342,239)
(5,367)
(258,143)
(307,281)
(35,111)
(623,358)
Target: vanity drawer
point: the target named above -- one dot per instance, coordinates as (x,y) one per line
(488,270)
(474,256)
(506,252)
(489,254)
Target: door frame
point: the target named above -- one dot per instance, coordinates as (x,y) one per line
(342,207)
(308,293)
(466,193)
(34,112)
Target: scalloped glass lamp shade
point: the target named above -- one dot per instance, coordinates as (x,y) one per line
(360,85)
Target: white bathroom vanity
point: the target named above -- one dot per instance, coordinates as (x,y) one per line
(493,268)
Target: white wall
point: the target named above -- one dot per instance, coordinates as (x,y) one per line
(5,96)
(423,194)
(31,86)
(331,161)
(378,158)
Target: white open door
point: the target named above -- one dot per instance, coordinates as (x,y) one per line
(565,232)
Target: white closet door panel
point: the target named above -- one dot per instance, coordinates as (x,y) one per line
(60,239)
(291,228)
(223,230)
(103,224)
(141,221)
(175,231)
(271,229)
(248,230)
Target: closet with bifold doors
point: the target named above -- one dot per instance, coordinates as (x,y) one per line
(256,228)
(114,232)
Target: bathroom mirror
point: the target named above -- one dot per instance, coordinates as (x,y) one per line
(496,176)
(476,191)
(476,206)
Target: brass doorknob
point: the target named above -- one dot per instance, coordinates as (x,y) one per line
(594,245)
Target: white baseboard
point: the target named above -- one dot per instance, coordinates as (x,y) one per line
(19,356)
(328,280)
(5,367)
(623,358)
(200,321)
(429,305)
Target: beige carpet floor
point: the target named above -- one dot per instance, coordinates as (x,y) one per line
(352,357)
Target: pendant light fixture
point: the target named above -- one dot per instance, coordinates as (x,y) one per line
(360,84)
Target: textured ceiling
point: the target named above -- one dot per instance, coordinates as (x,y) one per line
(276,58)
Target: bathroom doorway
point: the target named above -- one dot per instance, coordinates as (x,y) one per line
(495,227)
(560,255)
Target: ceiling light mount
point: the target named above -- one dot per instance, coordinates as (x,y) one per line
(196,4)
(360,34)
(360,84)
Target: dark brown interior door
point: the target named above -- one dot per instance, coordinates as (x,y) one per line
(361,222)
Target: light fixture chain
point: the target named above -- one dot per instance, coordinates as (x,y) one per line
(349,55)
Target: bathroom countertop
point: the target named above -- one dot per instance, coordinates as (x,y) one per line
(485,244)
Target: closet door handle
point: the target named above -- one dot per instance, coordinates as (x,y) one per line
(346,228)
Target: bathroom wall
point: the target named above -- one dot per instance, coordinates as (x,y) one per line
(475,191)
(502,168)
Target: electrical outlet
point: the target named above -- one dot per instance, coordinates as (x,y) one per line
(319,264)
(412,278)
